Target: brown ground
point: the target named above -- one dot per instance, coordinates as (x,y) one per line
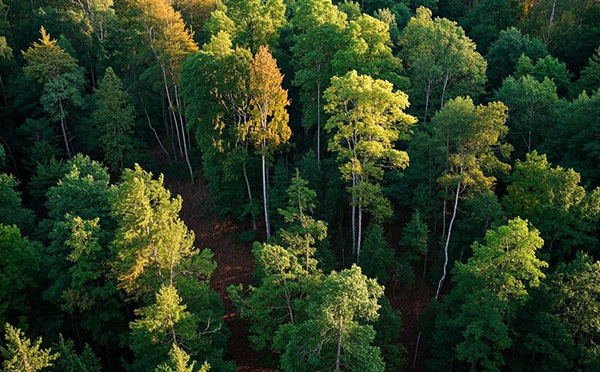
(236,263)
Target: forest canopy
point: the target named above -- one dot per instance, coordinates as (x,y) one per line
(299,185)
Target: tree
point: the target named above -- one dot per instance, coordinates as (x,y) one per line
(18,273)
(504,53)
(443,62)
(11,209)
(115,117)
(488,291)
(414,246)
(379,258)
(52,66)
(71,361)
(369,51)
(589,79)
(574,289)
(533,108)
(268,125)
(21,355)
(153,247)
(472,136)
(286,272)
(253,23)
(161,318)
(335,336)
(302,231)
(216,85)
(179,361)
(547,67)
(366,118)
(553,199)
(486,19)
(164,32)
(319,26)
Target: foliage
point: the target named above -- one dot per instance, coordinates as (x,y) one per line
(22,355)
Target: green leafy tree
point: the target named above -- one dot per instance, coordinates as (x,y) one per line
(489,289)
(216,85)
(472,136)
(553,199)
(268,124)
(379,260)
(414,246)
(71,361)
(335,334)
(18,273)
(52,66)
(11,209)
(549,67)
(589,79)
(443,62)
(366,118)
(369,51)
(153,246)
(533,108)
(179,361)
(319,26)
(484,21)
(574,289)
(22,355)
(252,23)
(115,117)
(504,53)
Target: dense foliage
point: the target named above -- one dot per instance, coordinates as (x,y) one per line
(436,157)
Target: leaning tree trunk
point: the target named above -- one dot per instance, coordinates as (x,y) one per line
(441,282)
(249,194)
(63,127)
(359,235)
(184,135)
(353,216)
(318,122)
(264,182)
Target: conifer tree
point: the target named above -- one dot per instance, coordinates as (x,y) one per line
(22,355)
(114,115)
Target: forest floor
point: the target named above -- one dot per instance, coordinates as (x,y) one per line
(236,263)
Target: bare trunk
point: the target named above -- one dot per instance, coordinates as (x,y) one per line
(444,91)
(154,130)
(441,283)
(249,195)
(427,95)
(359,235)
(63,127)
(338,357)
(553,12)
(183,132)
(414,367)
(265,200)
(353,217)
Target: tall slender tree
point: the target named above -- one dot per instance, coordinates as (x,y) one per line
(366,118)
(268,126)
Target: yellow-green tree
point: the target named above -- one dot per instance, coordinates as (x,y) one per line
(366,117)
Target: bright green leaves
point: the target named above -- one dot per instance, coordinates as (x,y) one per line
(22,355)
(335,334)
(152,244)
(489,290)
(179,361)
(472,136)
(47,61)
(554,201)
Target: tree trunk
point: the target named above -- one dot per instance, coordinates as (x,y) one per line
(427,95)
(264,182)
(338,356)
(359,235)
(353,217)
(249,195)
(183,132)
(154,130)
(444,91)
(63,126)
(441,282)
(553,12)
